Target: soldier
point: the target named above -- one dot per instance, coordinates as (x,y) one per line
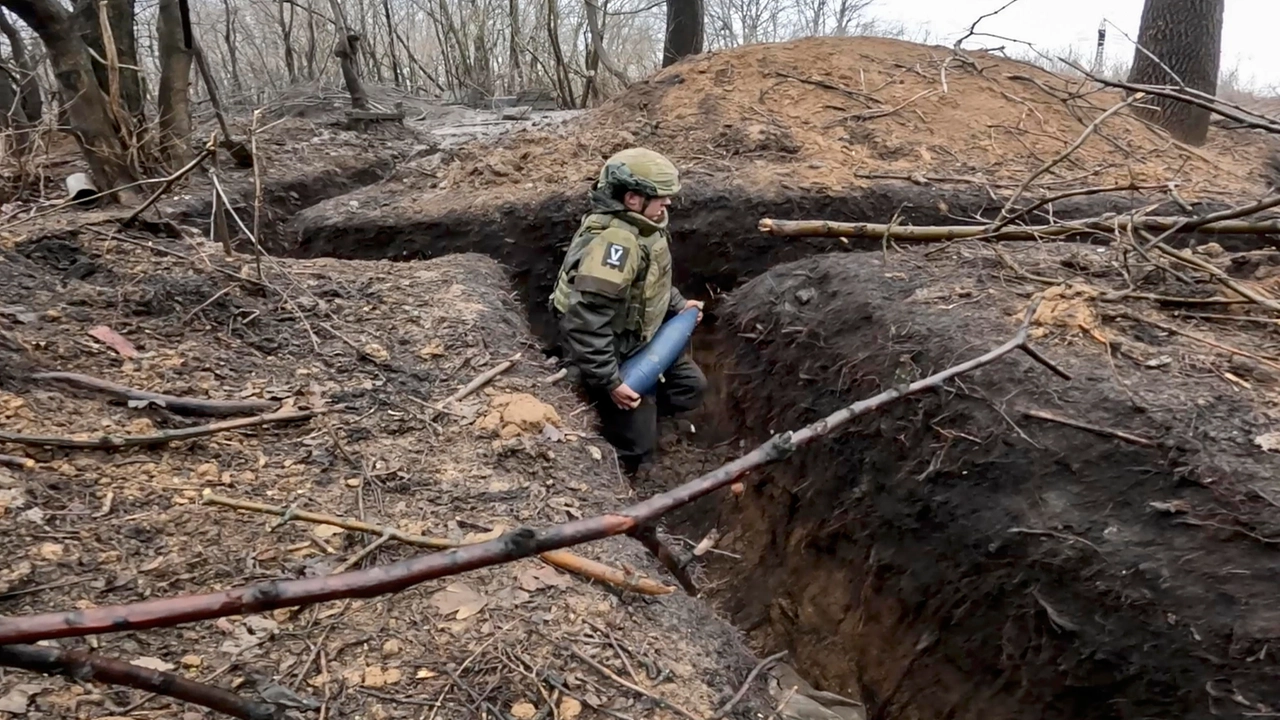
(615,290)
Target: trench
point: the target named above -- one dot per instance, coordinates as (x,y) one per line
(891,610)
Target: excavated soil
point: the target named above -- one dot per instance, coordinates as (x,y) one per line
(386,342)
(952,555)
(823,116)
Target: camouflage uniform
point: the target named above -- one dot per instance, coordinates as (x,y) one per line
(614,291)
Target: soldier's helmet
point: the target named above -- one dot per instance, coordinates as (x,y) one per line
(640,170)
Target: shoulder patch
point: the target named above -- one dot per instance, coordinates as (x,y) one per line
(615,255)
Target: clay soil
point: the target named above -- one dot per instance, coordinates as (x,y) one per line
(385,341)
(956,556)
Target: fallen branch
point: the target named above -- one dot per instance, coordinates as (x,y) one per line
(173,403)
(1203,101)
(112,442)
(516,544)
(80,665)
(1095,429)
(17,462)
(941,233)
(564,560)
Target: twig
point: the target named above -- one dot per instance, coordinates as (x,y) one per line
(1095,429)
(111,442)
(168,183)
(519,543)
(366,552)
(882,112)
(80,665)
(973,29)
(851,94)
(482,378)
(21,463)
(564,560)
(630,686)
(555,377)
(173,403)
(1004,217)
(742,691)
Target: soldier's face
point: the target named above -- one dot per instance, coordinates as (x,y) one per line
(654,208)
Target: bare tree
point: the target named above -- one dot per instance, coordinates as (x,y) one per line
(1179,43)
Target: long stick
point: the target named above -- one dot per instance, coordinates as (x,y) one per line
(562,559)
(81,665)
(111,442)
(174,403)
(519,543)
(939,233)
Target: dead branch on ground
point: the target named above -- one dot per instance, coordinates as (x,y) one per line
(558,558)
(81,665)
(513,545)
(115,442)
(1095,429)
(14,461)
(173,403)
(942,233)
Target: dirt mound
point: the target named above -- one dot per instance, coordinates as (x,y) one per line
(840,112)
(1017,545)
(388,342)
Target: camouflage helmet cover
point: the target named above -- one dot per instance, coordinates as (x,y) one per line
(641,170)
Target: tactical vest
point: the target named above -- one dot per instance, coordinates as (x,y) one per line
(649,295)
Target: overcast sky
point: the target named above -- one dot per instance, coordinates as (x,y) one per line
(1250,39)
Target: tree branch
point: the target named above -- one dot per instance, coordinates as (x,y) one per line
(513,545)
(173,403)
(112,442)
(82,665)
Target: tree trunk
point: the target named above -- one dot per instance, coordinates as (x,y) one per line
(29,82)
(229,37)
(516,77)
(123,46)
(344,48)
(391,44)
(86,107)
(286,38)
(684,30)
(1185,36)
(311,45)
(173,98)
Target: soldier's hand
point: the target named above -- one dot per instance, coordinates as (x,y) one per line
(625,398)
(695,303)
